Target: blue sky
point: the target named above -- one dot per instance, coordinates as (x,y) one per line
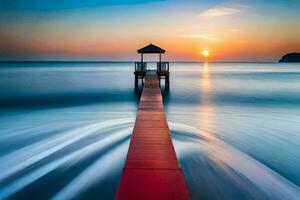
(52,5)
(234,30)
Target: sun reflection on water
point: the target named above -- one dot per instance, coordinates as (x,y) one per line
(206,109)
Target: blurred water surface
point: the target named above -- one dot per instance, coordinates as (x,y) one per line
(65,128)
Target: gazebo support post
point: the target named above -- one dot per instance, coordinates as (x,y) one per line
(159,67)
(142,58)
(159,58)
(167,82)
(136,81)
(142,65)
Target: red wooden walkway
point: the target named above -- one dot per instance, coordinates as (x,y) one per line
(151,170)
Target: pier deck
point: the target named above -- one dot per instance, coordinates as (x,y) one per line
(151,170)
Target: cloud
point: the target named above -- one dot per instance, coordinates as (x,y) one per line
(224,10)
(209,37)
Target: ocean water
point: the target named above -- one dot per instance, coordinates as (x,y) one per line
(65,128)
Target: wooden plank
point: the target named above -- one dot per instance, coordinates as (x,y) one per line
(151,169)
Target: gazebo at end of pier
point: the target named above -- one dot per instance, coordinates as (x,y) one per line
(162,68)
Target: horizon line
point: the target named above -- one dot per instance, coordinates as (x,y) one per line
(128,61)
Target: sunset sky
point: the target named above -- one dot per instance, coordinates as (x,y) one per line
(245,30)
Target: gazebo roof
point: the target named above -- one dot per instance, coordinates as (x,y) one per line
(151,49)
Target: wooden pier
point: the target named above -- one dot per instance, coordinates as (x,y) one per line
(151,169)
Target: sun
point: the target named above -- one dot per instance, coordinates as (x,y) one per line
(205,53)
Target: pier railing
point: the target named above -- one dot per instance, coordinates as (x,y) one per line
(162,71)
(140,66)
(163,66)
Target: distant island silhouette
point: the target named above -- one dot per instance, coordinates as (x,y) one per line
(290,57)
